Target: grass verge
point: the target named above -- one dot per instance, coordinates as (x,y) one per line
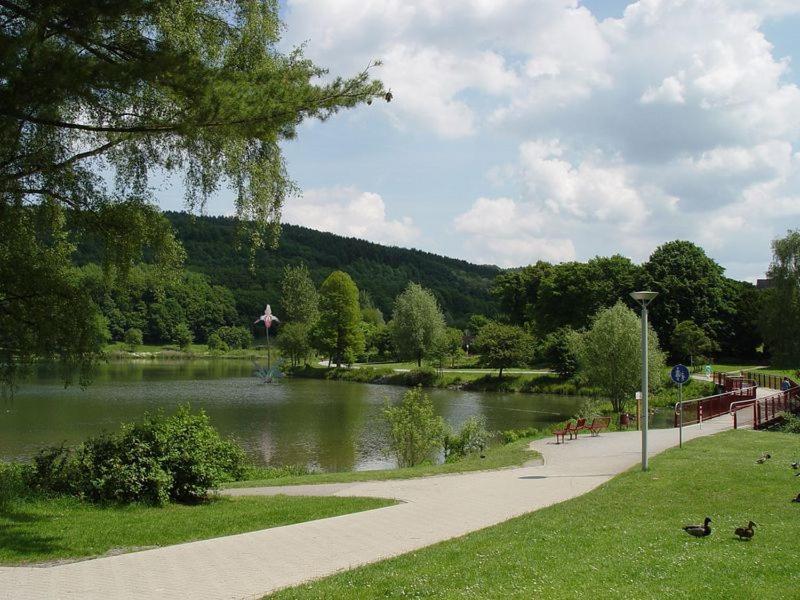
(506,455)
(38,529)
(623,540)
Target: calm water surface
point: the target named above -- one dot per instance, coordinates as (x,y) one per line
(326,425)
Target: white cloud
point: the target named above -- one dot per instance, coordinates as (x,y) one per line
(631,131)
(670,91)
(510,233)
(350,212)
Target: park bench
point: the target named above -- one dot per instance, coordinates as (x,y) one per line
(598,424)
(570,430)
(580,426)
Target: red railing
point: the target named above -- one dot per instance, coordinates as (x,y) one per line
(767,380)
(766,410)
(733,380)
(712,406)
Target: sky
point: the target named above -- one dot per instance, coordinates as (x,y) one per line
(558,130)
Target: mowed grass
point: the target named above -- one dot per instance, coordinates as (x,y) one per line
(35,530)
(623,540)
(506,455)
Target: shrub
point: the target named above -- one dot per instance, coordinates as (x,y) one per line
(415,431)
(216,344)
(235,337)
(471,439)
(182,336)
(425,376)
(178,457)
(790,423)
(133,338)
(512,435)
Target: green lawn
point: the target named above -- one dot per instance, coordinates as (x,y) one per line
(623,540)
(34,530)
(506,455)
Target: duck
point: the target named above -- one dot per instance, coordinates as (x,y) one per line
(764,458)
(796,499)
(745,533)
(699,530)
(796,465)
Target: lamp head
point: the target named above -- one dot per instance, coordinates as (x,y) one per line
(644,297)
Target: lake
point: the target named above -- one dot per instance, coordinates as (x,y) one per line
(325,425)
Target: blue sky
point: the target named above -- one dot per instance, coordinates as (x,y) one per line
(554,129)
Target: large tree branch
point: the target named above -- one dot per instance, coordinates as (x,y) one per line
(65,163)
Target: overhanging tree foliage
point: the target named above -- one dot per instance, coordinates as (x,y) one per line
(780,320)
(120,88)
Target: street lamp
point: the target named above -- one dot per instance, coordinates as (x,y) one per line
(644,298)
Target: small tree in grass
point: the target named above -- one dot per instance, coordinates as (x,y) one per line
(133,338)
(610,355)
(415,430)
(691,341)
(182,336)
(293,342)
(503,346)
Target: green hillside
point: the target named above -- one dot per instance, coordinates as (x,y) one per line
(383,271)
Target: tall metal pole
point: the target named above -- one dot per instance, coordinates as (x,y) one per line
(645,408)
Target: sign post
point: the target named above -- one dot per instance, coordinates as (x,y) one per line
(680,375)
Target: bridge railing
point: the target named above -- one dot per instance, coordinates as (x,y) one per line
(766,410)
(768,380)
(712,406)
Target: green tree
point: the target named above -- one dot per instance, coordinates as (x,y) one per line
(559,351)
(216,344)
(182,336)
(503,346)
(293,342)
(415,430)
(133,338)
(338,333)
(235,337)
(690,286)
(610,355)
(690,341)
(780,319)
(299,296)
(517,291)
(129,88)
(417,322)
(453,341)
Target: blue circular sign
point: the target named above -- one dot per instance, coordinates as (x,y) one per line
(679,374)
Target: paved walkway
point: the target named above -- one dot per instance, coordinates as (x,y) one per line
(433,509)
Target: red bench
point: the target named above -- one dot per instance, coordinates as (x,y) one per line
(598,424)
(571,430)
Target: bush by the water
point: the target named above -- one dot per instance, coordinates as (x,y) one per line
(470,439)
(512,435)
(415,430)
(160,459)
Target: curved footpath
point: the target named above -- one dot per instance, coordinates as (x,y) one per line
(433,509)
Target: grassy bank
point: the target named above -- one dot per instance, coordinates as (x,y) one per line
(623,540)
(121,351)
(427,377)
(35,529)
(506,455)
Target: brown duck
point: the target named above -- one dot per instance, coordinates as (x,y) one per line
(699,530)
(745,533)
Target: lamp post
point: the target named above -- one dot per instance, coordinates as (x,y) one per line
(644,298)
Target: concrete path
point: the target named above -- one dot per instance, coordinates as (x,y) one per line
(433,509)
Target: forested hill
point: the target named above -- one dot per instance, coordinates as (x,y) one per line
(383,271)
